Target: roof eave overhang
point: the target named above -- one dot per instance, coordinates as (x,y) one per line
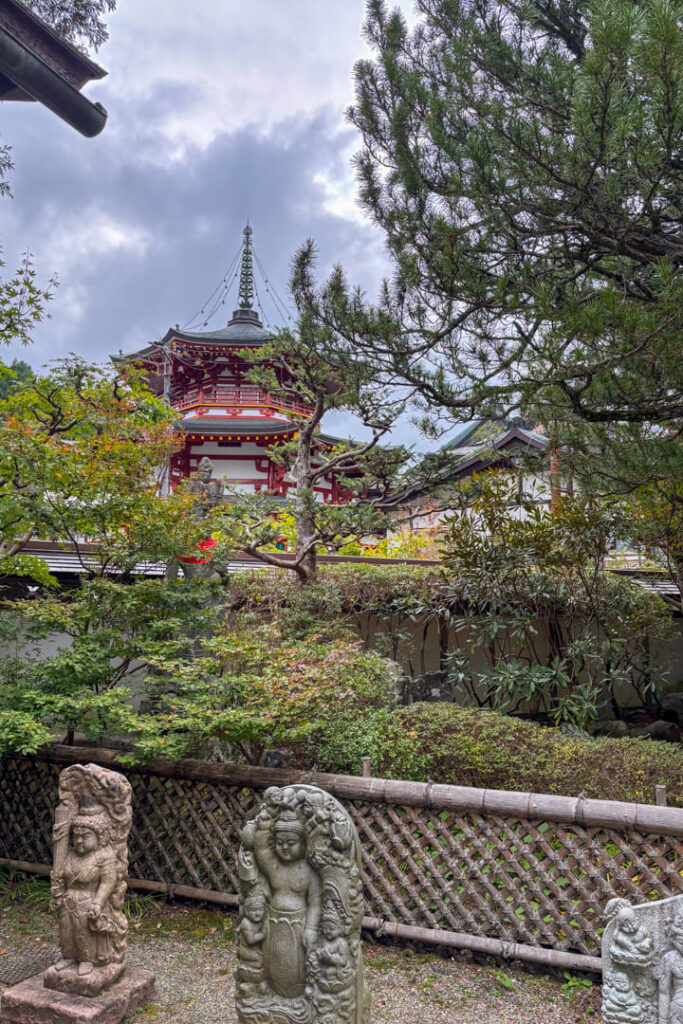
(33,76)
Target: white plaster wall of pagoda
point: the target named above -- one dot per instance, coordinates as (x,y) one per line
(213,449)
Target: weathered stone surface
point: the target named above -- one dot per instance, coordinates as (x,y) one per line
(642,952)
(299,955)
(609,727)
(30,1002)
(280,757)
(90,864)
(674,702)
(668,732)
(569,729)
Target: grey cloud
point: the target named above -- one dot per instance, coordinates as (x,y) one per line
(186,215)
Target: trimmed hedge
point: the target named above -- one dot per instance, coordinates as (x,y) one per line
(468,747)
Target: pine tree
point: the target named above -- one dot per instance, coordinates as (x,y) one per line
(525,163)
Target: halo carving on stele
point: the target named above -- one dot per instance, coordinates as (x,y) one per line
(90,864)
(642,953)
(301,907)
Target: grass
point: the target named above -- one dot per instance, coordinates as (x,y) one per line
(34,890)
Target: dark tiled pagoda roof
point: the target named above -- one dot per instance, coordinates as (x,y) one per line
(245,328)
(223,425)
(239,332)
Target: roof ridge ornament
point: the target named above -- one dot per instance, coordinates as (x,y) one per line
(246,292)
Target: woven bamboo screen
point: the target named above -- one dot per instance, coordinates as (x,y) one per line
(523,872)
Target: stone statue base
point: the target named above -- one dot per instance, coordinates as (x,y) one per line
(70,981)
(30,1002)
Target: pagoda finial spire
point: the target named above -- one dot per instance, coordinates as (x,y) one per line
(246,293)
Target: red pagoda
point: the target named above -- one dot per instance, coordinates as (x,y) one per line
(222,415)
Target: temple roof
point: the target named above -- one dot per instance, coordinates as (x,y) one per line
(238,425)
(38,64)
(245,328)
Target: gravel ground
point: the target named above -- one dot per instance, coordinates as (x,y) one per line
(192,953)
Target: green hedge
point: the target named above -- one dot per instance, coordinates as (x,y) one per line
(468,747)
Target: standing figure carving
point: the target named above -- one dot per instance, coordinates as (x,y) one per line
(642,953)
(90,864)
(301,908)
(208,492)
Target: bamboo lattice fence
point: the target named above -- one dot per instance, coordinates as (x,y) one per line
(518,875)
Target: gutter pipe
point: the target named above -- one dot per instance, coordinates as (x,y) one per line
(43,84)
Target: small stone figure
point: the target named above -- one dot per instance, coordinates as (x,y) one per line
(299,957)
(642,953)
(620,1002)
(631,944)
(671,973)
(90,982)
(207,494)
(251,934)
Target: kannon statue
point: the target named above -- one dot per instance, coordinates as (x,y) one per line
(90,862)
(301,908)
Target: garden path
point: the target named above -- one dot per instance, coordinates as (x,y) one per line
(192,953)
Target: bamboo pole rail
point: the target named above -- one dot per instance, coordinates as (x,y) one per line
(430,936)
(576,810)
(515,875)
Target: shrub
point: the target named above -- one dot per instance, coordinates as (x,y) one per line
(251,690)
(468,747)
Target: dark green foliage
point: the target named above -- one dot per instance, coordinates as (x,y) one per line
(13,376)
(79,21)
(556,639)
(114,640)
(523,161)
(467,747)
(560,633)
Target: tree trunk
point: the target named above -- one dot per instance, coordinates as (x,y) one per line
(305,530)
(304,510)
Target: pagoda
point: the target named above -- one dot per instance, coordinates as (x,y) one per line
(221,415)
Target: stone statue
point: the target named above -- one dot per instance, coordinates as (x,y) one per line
(91,982)
(207,494)
(90,864)
(301,907)
(642,952)
(671,972)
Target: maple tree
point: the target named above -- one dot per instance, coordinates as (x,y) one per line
(81,452)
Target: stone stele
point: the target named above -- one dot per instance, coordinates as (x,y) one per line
(89,982)
(642,954)
(299,958)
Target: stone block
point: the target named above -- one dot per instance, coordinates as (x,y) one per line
(30,1002)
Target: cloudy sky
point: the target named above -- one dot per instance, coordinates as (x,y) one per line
(234,110)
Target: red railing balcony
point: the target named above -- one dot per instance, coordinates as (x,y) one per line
(246,395)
